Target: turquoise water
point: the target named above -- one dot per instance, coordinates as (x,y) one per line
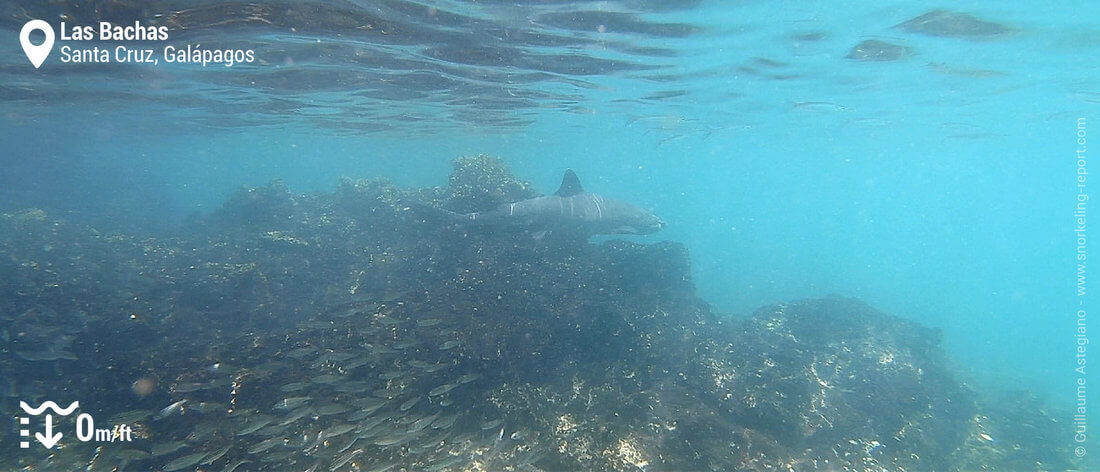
(938,186)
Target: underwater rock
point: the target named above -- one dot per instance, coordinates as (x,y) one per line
(336,330)
(666,265)
(1005,431)
(373,213)
(950,24)
(873,50)
(829,375)
(368,199)
(257,208)
(483,182)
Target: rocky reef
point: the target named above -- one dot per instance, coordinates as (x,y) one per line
(346,331)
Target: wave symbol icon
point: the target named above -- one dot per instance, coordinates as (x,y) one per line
(49,404)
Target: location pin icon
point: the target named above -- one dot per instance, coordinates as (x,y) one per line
(37,54)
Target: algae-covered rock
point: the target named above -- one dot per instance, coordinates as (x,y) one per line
(838,381)
(483,182)
(1014,431)
(257,208)
(368,199)
(407,344)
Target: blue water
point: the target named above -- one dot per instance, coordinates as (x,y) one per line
(938,187)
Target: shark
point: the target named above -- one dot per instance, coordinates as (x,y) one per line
(570,210)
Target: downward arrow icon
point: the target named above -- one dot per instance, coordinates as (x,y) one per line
(50,438)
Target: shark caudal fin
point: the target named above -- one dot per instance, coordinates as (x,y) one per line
(570,185)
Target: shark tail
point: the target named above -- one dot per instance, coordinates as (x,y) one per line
(434,213)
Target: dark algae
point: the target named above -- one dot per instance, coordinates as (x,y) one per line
(944,23)
(873,50)
(346,331)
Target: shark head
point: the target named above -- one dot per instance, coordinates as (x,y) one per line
(647,224)
(639,221)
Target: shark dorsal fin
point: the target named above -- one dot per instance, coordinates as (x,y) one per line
(570,185)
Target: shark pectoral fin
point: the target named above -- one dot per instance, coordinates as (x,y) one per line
(538,235)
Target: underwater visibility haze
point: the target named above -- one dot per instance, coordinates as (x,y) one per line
(555,235)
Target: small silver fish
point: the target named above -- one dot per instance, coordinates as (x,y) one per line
(359,415)
(340,356)
(405,344)
(367,425)
(387,393)
(207,407)
(390,321)
(337,430)
(391,440)
(265,445)
(162,449)
(185,461)
(216,455)
(296,415)
(409,404)
(343,460)
(332,409)
(291,403)
(294,387)
(130,455)
(422,423)
(436,367)
(132,416)
(440,390)
(393,374)
(170,409)
(491,424)
(327,378)
(445,422)
(239,463)
(358,362)
(254,425)
(271,430)
(351,387)
(278,456)
(301,352)
(187,387)
(465,379)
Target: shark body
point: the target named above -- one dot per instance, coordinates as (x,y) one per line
(570,210)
